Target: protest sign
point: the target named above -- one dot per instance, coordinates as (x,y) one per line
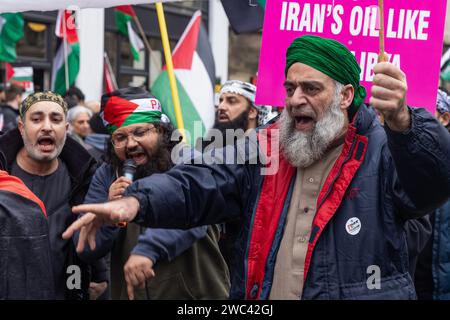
(414,31)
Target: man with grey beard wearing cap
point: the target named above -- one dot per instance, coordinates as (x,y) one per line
(58,170)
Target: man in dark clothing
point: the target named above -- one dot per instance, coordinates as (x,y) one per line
(9,111)
(187,263)
(58,170)
(238,113)
(432,277)
(74,97)
(325,211)
(25,261)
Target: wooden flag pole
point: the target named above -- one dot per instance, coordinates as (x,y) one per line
(170,72)
(147,44)
(382,57)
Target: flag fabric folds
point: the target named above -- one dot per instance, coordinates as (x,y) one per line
(50,5)
(195,76)
(124,15)
(66,63)
(245,16)
(11,31)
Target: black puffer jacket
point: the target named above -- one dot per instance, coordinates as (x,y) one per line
(25,261)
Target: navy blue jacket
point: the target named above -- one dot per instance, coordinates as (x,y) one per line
(381,179)
(441,253)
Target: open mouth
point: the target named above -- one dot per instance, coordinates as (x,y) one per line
(223,117)
(303,122)
(138,157)
(46,144)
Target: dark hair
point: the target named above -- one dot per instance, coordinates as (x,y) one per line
(75,91)
(161,161)
(97,125)
(12,92)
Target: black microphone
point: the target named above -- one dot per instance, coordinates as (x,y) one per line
(129,169)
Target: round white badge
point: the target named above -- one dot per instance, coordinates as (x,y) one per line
(353,226)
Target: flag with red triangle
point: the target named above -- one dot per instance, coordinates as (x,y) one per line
(109,79)
(66,63)
(195,76)
(124,15)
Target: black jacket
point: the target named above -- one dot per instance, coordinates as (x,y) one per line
(81,167)
(8,117)
(25,262)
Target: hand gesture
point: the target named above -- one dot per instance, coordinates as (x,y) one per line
(137,271)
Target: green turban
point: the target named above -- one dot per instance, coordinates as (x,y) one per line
(331,58)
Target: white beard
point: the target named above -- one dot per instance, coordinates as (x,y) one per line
(303,149)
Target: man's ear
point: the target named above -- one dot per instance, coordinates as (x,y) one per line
(20,125)
(253,113)
(347,93)
(446,119)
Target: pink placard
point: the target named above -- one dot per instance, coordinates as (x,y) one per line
(414,31)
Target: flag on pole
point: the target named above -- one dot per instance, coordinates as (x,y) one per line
(110,83)
(11,31)
(245,16)
(50,5)
(21,75)
(124,16)
(66,63)
(194,69)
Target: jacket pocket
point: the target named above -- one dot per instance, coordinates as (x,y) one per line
(399,287)
(173,287)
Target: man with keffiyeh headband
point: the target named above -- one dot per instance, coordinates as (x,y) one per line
(150,263)
(237,108)
(328,224)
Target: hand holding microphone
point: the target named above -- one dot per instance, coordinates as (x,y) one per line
(118,187)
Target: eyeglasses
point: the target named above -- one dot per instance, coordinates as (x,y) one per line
(120,140)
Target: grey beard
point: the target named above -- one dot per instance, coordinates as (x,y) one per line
(303,149)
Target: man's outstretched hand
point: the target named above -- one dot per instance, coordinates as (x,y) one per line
(122,210)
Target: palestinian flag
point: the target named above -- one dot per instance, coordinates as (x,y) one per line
(11,31)
(109,79)
(245,16)
(121,111)
(124,16)
(66,63)
(21,75)
(195,75)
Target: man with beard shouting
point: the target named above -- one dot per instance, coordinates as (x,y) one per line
(237,108)
(236,114)
(178,264)
(328,224)
(58,171)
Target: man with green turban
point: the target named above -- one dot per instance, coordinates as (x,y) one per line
(324,213)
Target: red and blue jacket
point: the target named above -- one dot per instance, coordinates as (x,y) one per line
(357,248)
